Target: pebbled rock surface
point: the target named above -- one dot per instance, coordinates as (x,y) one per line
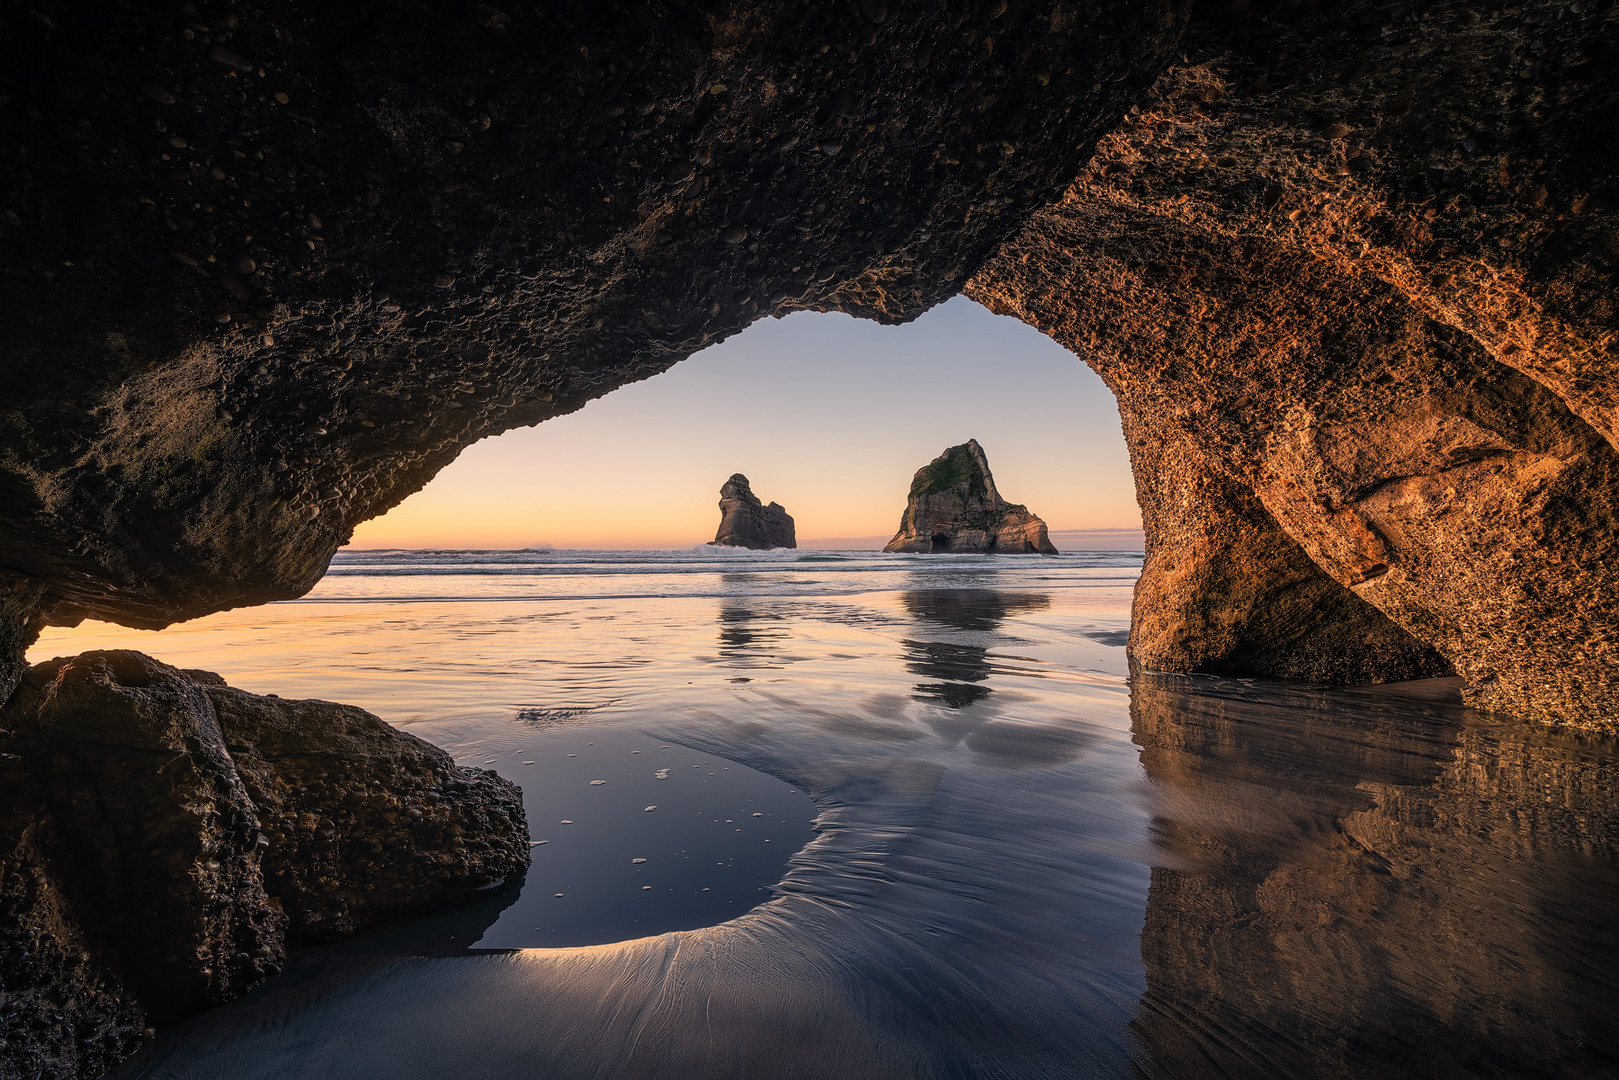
(166,838)
(745,522)
(363,820)
(146,796)
(953,506)
(1350,271)
(64,1009)
(268,269)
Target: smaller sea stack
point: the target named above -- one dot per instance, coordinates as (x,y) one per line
(745,522)
(954,507)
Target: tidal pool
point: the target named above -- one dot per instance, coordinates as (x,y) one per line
(991,853)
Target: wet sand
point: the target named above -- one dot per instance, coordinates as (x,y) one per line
(1022,864)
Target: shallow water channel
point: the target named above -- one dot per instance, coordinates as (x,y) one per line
(979,849)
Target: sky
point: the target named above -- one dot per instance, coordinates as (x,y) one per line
(826,414)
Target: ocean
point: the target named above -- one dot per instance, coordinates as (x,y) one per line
(848,814)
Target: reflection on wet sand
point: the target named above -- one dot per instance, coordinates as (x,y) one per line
(1364,884)
(963,666)
(1070,876)
(749,636)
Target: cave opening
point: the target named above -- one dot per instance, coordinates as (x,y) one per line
(940,543)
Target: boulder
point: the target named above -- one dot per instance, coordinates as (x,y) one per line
(166,837)
(954,507)
(745,522)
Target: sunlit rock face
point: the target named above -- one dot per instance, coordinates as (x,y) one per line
(954,507)
(268,271)
(746,522)
(1349,271)
(167,836)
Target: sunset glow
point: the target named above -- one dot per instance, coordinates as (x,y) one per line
(827,415)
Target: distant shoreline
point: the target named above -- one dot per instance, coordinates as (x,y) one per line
(1064,539)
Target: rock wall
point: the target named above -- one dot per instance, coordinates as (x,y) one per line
(746,522)
(953,506)
(266,273)
(1350,273)
(167,837)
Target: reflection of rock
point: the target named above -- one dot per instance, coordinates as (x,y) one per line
(744,522)
(746,635)
(183,831)
(961,666)
(971,609)
(954,507)
(1369,885)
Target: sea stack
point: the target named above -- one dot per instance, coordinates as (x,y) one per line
(745,522)
(954,507)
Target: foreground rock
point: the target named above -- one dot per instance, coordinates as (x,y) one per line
(168,837)
(745,522)
(954,507)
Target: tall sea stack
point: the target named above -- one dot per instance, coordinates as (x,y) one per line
(745,522)
(954,507)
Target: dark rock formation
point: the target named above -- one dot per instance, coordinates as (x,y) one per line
(1349,268)
(953,506)
(745,522)
(167,837)
(1350,272)
(246,312)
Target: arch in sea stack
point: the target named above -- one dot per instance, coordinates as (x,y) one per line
(1361,330)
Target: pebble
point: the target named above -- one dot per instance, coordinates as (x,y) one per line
(651,808)
(559,896)
(758,815)
(281,98)
(245,265)
(158,94)
(597,783)
(177,142)
(662,774)
(637,861)
(734,235)
(646,888)
(535,843)
(566,821)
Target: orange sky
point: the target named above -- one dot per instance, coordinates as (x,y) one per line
(826,414)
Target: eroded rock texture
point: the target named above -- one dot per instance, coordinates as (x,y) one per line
(746,522)
(1349,271)
(168,836)
(269,267)
(953,507)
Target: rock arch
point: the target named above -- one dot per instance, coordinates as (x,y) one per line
(1350,272)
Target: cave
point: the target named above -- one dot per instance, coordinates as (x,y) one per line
(940,544)
(1349,270)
